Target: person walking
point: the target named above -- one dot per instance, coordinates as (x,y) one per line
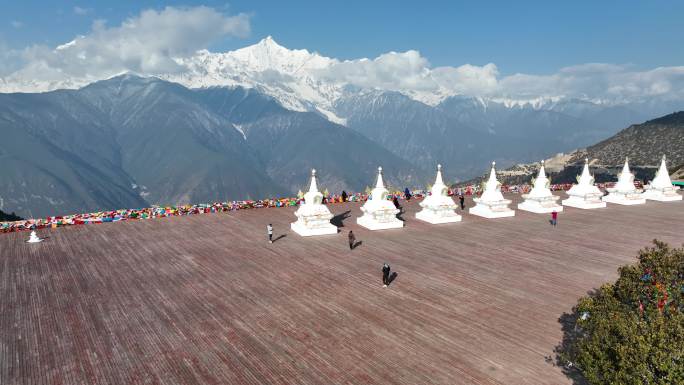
(269,230)
(385,274)
(352,240)
(554,218)
(395,200)
(461,200)
(344,196)
(407,194)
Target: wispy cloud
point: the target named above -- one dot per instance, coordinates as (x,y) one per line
(10,59)
(82,11)
(146,43)
(16,24)
(409,71)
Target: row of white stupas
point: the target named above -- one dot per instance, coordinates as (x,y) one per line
(313,217)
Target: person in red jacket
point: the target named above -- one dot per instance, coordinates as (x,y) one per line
(554,218)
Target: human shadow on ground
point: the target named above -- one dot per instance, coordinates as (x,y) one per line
(357,244)
(392,277)
(281,236)
(338,220)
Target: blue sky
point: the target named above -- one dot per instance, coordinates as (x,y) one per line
(519,36)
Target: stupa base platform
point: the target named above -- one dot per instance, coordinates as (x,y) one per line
(661,196)
(487,212)
(434,219)
(308,232)
(376,225)
(579,203)
(626,200)
(34,241)
(538,207)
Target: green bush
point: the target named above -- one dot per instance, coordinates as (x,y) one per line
(631,331)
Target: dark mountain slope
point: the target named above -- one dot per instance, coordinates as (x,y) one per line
(291,144)
(643,143)
(57,157)
(416,132)
(176,148)
(131,142)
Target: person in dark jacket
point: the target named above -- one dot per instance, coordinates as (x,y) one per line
(385,274)
(344,196)
(352,240)
(407,194)
(461,200)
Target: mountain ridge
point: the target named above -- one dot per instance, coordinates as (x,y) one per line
(644,144)
(131,142)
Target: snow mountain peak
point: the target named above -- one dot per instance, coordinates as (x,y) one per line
(301,80)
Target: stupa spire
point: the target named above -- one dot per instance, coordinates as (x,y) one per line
(625,167)
(380,183)
(313,187)
(542,172)
(586,178)
(492,174)
(438,179)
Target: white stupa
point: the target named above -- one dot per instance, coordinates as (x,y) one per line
(660,188)
(492,203)
(438,207)
(33,238)
(378,212)
(313,217)
(624,192)
(540,200)
(584,195)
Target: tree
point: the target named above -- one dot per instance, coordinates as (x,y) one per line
(9,217)
(631,331)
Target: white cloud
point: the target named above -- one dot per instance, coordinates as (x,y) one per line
(391,71)
(468,79)
(598,81)
(146,43)
(10,59)
(409,71)
(16,24)
(81,11)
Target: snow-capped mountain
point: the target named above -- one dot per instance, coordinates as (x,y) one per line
(308,81)
(253,121)
(280,111)
(287,75)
